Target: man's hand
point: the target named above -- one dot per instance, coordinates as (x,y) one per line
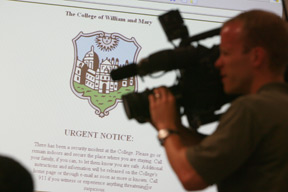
(163,109)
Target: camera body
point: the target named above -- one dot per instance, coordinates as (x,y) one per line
(199,90)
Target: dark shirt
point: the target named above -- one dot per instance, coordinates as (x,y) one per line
(249,149)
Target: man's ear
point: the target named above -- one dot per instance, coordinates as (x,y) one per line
(258,56)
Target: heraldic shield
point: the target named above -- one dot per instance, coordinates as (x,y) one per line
(96,55)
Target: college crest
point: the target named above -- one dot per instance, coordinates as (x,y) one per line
(95,56)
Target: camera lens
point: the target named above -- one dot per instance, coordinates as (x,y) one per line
(136,106)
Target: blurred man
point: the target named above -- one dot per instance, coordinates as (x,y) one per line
(14,177)
(248,151)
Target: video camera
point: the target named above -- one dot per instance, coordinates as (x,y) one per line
(199,90)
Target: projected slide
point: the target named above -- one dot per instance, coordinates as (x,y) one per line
(62,115)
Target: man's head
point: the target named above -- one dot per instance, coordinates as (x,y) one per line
(254,51)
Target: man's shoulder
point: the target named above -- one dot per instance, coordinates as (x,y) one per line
(269,101)
(272,93)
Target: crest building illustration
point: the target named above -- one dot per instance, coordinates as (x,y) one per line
(96,55)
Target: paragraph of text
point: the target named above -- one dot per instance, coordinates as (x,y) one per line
(96,169)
